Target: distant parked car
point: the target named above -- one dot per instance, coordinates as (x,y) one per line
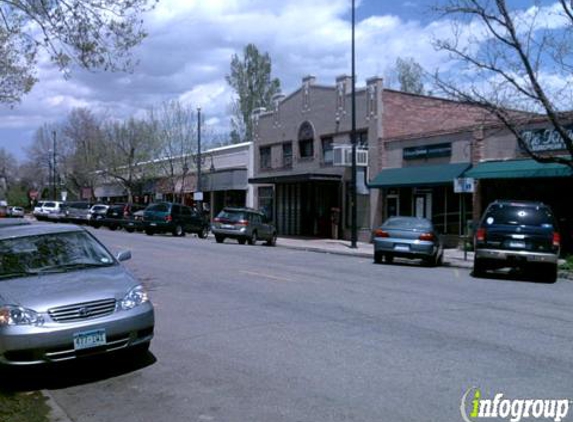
(117,215)
(244,225)
(96,214)
(408,237)
(77,212)
(166,217)
(55,211)
(134,222)
(517,234)
(16,212)
(38,211)
(64,296)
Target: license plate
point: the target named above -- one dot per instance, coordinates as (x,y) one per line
(401,247)
(88,339)
(227,226)
(516,244)
(153,224)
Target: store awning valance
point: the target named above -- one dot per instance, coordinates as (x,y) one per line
(418,175)
(517,169)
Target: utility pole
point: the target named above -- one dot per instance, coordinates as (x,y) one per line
(353,197)
(54,191)
(199,187)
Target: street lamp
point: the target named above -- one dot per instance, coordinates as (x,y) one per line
(199,192)
(353,198)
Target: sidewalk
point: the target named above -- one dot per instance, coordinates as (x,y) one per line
(452,257)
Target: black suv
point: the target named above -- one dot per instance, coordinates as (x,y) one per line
(517,234)
(166,217)
(245,225)
(117,215)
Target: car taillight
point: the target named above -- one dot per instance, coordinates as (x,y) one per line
(556,239)
(243,222)
(480,234)
(427,237)
(169,219)
(216,220)
(380,233)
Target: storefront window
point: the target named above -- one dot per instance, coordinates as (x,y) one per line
(266,201)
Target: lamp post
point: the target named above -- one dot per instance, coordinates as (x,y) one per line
(199,187)
(54,168)
(353,198)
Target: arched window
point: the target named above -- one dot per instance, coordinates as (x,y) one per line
(306,140)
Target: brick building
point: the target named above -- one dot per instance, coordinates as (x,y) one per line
(295,145)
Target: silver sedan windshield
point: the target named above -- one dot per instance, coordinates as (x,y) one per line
(53,252)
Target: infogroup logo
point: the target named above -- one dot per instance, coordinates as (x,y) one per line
(474,407)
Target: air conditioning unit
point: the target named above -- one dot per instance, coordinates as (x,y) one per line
(343,156)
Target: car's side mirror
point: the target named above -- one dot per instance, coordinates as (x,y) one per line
(123,256)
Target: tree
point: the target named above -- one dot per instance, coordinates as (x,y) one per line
(175,127)
(410,75)
(8,169)
(513,59)
(128,149)
(92,34)
(40,157)
(251,79)
(82,138)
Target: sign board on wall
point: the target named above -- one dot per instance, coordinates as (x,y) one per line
(464,185)
(545,139)
(197,196)
(427,151)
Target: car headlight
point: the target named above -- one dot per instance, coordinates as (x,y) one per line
(133,298)
(16,315)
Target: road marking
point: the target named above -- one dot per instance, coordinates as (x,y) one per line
(272,277)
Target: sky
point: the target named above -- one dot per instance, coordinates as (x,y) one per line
(189,48)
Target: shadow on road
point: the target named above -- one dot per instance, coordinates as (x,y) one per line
(514,275)
(69,374)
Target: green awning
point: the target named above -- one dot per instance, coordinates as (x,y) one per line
(517,169)
(419,175)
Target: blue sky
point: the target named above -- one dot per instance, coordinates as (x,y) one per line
(190,44)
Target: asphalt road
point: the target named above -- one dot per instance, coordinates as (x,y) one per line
(254,333)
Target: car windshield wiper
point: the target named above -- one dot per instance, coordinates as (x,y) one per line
(72,266)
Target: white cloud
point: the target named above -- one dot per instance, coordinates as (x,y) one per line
(189,48)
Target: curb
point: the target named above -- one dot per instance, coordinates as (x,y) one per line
(447,263)
(57,414)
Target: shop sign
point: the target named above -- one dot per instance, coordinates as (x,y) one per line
(427,151)
(545,139)
(464,185)
(197,196)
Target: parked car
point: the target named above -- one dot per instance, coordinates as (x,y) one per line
(166,217)
(64,296)
(16,212)
(244,225)
(38,211)
(134,222)
(77,212)
(55,211)
(96,214)
(117,214)
(408,237)
(517,234)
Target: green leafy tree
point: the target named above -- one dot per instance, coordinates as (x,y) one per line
(410,75)
(251,78)
(92,34)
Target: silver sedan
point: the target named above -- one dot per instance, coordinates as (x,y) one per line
(408,237)
(64,296)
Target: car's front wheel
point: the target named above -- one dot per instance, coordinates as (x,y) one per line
(253,239)
(203,233)
(479,268)
(178,231)
(272,241)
